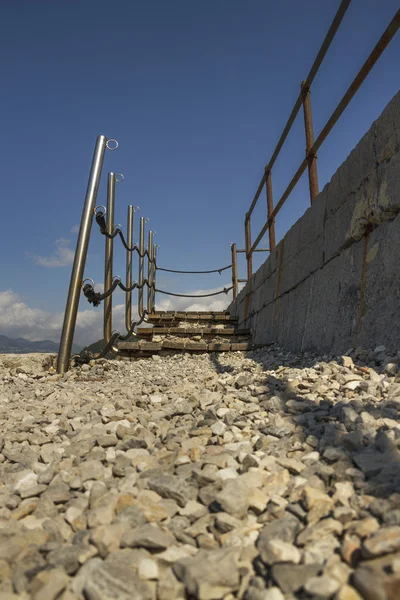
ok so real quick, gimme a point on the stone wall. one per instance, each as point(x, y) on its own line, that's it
point(333, 281)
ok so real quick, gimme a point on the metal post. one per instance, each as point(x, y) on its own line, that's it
point(153, 294)
point(249, 256)
point(129, 241)
point(141, 266)
point(71, 309)
point(311, 156)
point(270, 206)
point(234, 271)
point(149, 270)
point(108, 261)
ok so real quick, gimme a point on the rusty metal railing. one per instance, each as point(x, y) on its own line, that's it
point(109, 230)
point(312, 146)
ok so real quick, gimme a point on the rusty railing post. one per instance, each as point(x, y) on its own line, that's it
point(270, 207)
point(234, 271)
point(249, 255)
point(311, 157)
point(249, 258)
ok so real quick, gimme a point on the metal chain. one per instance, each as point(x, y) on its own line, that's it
point(224, 291)
point(135, 248)
point(132, 327)
point(86, 357)
point(100, 220)
point(195, 272)
point(95, 298)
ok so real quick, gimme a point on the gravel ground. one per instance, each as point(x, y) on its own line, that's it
point(259, 476)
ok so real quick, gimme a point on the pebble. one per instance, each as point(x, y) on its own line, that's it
point(277, 551)
point(322, 587)
point(384, 541)
point(233, 498)
point(148, 569)
point(262, 476)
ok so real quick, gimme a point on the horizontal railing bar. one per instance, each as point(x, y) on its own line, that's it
point(242, 280)
point(387, 36)
point(281, 202)
point(344, 5)
point(310, 78)
point(257, 195)
point(384, 40)
point(257, 250)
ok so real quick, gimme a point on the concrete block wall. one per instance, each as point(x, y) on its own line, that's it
point(333, 281)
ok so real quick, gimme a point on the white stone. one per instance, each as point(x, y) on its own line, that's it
point(352, 385)
point(218, 428)
point(276, 551)
point(228, 473)
point(221, 412)
point(148, 569)
point(154, 399)
point(273, 593)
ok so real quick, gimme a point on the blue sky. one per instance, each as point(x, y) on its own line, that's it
point(197, 94)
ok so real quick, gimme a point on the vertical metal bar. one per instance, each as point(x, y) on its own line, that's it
point(234, 271)
point(141, 266)
point(108, 259)
point(149, 270)
point(153, 295)
point(129, 241)
point(270, 206)
point(249, 256)
point(311, 156)
point(71, 309)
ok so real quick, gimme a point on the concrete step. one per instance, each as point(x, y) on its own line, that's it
point(172, 317)
point(184, 331)
point(144, 346)
point(165, 337)
point(188, 313)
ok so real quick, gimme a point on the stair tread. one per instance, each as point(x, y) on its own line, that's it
point(190, 312)
point(183, 345)
point(226, 338)
point(192, 316)
point(149, 331)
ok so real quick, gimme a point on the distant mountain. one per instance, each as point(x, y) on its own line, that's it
point(23, 346)
point(97, 347)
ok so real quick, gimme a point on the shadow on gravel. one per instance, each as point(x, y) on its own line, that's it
point(219, 367)
point(357, 433)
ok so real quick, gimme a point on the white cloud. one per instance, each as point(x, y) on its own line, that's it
point(63, 256)
point(75, 229)
point(17, 319)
